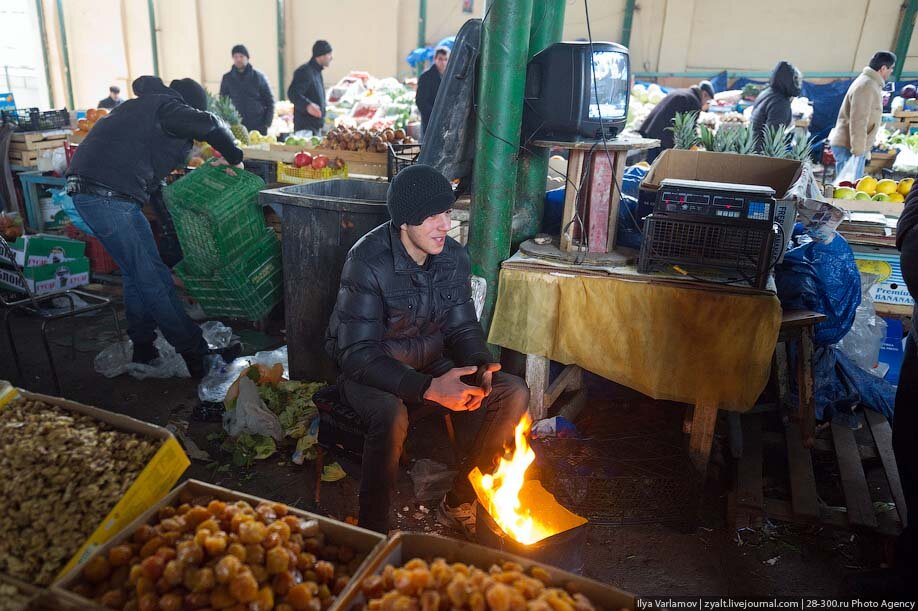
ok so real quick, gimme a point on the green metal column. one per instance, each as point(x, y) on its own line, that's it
point(151, 11)
point(43, 33)
point(66, 53)
point(501, 78)
point(281, 51)
point(904, 38)
point(422, 30)
point(627, 21)
point(533, 169)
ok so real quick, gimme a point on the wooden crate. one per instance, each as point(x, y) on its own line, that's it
point(31, 139)
point(751, 501)
point(24, 158)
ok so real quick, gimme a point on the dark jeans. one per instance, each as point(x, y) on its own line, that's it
point(480, 436)
point(150, 299)
point(905, 432)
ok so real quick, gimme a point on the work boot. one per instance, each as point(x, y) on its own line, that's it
point(144, 354)
point(461, 518)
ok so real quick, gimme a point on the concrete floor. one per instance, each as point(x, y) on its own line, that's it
point(647, 559)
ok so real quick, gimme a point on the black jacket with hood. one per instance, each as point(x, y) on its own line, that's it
point(307, 87)
point(773, 106)
point(397, 325)
point(251, 95)
point(134, 147)
point(907, 243)
point(661, 117)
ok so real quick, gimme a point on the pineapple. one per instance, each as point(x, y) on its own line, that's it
point(744, 143)
point(724, 139)
point(223, 107)
point(707, 137)
point(684, 129)
point(802, 149)
point(774, 142)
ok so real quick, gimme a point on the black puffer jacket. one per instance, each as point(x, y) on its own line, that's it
point(907, 242)
point(396, 324)
point(660, 119)
point(134, 147)
point(773, 106)
point(251, 95)
point(307, 87)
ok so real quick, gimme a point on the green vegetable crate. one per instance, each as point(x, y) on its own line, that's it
point(247, 288)
point(216, 216)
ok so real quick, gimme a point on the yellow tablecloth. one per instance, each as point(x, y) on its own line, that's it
point(671, 342)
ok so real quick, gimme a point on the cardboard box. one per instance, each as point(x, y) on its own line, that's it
point(50, 278)
point(859, 205)
point(153, 482)
point(405, 546)
point(41, 249)
point(884, 262)
point(361, 540)
point(782, 175)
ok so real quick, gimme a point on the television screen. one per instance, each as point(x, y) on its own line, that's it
point(609, 91)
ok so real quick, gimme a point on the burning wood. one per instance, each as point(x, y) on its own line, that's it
point(522, 508)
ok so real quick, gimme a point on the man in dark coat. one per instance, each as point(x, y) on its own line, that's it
point(249, 90)
point(113, 174)
point(696, 98)
point(429, 84)
point(113, 99)
point(773, 106)
point(404, 333)
point(307, 90)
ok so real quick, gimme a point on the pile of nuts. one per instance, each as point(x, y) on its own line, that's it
point(216, 554)
point(62, 473)
point(418, 586)
point(11, 599)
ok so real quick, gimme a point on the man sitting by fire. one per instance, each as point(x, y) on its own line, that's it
point(404, 334)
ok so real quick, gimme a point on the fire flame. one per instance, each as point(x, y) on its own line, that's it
point(500, 491)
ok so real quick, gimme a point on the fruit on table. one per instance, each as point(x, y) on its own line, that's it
point(860, 195)
point(867, 185)
point(880, 197)
point(319, 162)
point(223, 107)
point(441, 585)
point(905, 185)
point(302, 160)
point(897, 197)
point(63, 473)
point(847, 183)
point(886, 186)
point(221, 554)
point(844, 193)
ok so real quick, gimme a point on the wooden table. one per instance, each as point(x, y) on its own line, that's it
point(598, 166)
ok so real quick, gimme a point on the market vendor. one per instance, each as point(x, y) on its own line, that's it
point(307, 90)
point(112, 100)
point(429, 85)
point(658, 123)
point(772, 107)
point(113, 174)
point(403, 333)
point(249, 90)
point(860, 114)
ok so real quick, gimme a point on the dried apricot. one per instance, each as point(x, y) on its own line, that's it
point(243, 587)
point(276, 560)
point(97, 570)
point(120, 555)
point(238, 550)
point(171, 602)
point(215, 544)
point(149, 548)
point(299, 596)
point(254, 554)
point(153, 567)
point(226, 568)
point(283, 582)
point(252, 532)
point(325, 571)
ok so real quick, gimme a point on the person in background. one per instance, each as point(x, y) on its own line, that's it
point(696, 98)
point(429, 84)
point(772, 107)
point(307, 90)
point(113, 174)
point(249, 90)
point(861, 113)
point(112, 100)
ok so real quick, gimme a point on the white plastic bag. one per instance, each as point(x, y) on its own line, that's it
point(848, 171)
point(222, 375)
point(863, 342)
point(250, 414)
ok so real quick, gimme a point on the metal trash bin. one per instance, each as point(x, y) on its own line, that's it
point(321, 221)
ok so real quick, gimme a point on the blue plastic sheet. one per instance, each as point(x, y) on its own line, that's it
point(425, 54)
point(630, 226)
point(63, 200)
point(823, 278)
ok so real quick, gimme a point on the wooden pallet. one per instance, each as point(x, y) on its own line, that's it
point(749, 503)
point(24, 158)
point(30, 139)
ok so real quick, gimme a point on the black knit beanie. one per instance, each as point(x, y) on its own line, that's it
point(417, 192)
point(240, 49)
point(321, 47)
point(191, 91)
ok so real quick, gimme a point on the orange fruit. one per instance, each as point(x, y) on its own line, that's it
point(83, 125)
point(101, 112)
point(92, 114)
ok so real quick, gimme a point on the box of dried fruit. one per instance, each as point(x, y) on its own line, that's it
point(420, 571)
point(207, 546)
point(72, 477)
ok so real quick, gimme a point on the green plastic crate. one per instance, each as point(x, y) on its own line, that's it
point(247, 289)
point(216, 216)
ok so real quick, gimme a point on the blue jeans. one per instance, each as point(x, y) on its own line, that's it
point(842, 155)
point(150, 299)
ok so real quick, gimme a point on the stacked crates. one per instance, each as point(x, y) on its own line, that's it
point(232, 264)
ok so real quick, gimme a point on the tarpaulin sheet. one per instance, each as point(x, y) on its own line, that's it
point(670, 342)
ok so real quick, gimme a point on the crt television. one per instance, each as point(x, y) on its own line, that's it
point(577, 89)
